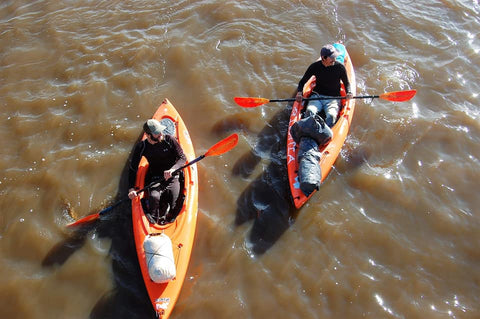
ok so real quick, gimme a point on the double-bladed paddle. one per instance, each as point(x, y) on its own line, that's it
point(219, 148)
point(397, 96)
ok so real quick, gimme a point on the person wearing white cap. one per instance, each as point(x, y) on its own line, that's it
point(164, 155)
point(328, 74)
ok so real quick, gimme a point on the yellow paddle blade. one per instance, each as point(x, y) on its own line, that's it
point(398, 96)
point(223, 146)
point(250, 101)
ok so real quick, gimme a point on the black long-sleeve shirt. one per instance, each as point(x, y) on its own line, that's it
point(328, 78)
point(161, 156)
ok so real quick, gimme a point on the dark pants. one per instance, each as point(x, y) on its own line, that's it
point(162, 200)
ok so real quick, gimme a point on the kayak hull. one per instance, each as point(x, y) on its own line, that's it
point(181, 232)
point(330, 151)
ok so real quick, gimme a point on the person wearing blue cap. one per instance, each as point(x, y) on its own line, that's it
point(164, 155)
point(328, 73)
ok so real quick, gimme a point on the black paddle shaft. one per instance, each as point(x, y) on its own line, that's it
point(328, 98)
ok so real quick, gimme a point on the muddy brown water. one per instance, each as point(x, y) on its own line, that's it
point(392, 233)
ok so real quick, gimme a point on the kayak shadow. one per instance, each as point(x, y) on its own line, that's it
point(129, 297)
point(266, 200)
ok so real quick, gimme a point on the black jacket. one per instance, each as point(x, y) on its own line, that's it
point(161, 156)
point(328, 78)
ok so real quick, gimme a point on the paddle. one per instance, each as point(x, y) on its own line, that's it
point(397, 96)
point(219, 148)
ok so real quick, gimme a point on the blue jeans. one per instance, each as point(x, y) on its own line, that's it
point(329, 106)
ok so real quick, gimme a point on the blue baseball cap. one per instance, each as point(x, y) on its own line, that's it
point(329, 51)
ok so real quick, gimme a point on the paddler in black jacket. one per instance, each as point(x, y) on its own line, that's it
point(164, 155)
point(328, 73)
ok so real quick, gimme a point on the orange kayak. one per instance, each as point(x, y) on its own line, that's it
point(330, 151)
point(182, 231)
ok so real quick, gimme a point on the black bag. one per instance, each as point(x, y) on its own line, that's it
point(313, 127)
point(309, 171)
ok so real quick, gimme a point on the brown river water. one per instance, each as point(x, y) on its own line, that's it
point(392, 233)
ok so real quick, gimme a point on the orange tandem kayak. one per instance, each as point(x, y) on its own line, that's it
point(330, 151)
point(182, 231)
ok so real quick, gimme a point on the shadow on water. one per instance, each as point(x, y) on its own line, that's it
point(128, 298)
point(267, 199)
point(60, 253)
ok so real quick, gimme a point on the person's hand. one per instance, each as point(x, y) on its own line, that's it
point(132, 193)
point(349, 96)
point(168, 174)
point(299, 97)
